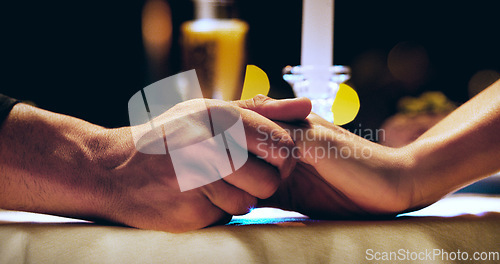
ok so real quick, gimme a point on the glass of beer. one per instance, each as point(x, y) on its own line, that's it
point(214, 45)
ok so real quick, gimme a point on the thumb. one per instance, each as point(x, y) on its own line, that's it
point(282, 110)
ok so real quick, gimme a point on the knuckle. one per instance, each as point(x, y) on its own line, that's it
point(260, 99)
point(254, 102)
point(248, 104)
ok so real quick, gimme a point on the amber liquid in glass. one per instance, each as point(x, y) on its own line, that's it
point(215, 48)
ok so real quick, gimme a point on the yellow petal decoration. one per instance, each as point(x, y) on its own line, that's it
point(346, 105)
point(256, 82)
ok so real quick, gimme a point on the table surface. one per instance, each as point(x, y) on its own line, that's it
point(459, 223)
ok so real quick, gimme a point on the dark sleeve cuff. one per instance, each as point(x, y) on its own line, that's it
point(6, 104)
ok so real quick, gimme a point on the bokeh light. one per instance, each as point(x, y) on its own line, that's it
point(480, 80)
point(408, 62)
point(156, 29)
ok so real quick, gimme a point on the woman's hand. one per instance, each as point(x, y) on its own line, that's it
point(341, 175)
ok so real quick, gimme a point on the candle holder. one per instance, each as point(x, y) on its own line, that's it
point(318, 83)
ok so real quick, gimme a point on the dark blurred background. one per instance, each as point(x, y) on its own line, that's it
point(87, 58)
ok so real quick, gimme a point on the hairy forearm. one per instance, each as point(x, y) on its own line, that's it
point(462, 148)
point(47, 163)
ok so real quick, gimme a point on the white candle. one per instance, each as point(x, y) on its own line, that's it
point(317, 32)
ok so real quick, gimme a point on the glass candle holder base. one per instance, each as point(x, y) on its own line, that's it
point(318, 83)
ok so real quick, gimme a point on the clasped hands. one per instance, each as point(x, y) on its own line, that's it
point(295, 160)
point(281, 171)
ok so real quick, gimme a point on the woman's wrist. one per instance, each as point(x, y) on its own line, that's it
point(427, 174)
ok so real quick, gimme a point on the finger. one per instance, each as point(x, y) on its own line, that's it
point(256, 177)
point(311, 142)
point(223, 220)
point(229, 198)
point(190, 211)
point(269, 141)
point(260, 136)
point(284, 110)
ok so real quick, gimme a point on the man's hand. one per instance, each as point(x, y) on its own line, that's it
point(144, 187)
point(56, 164)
